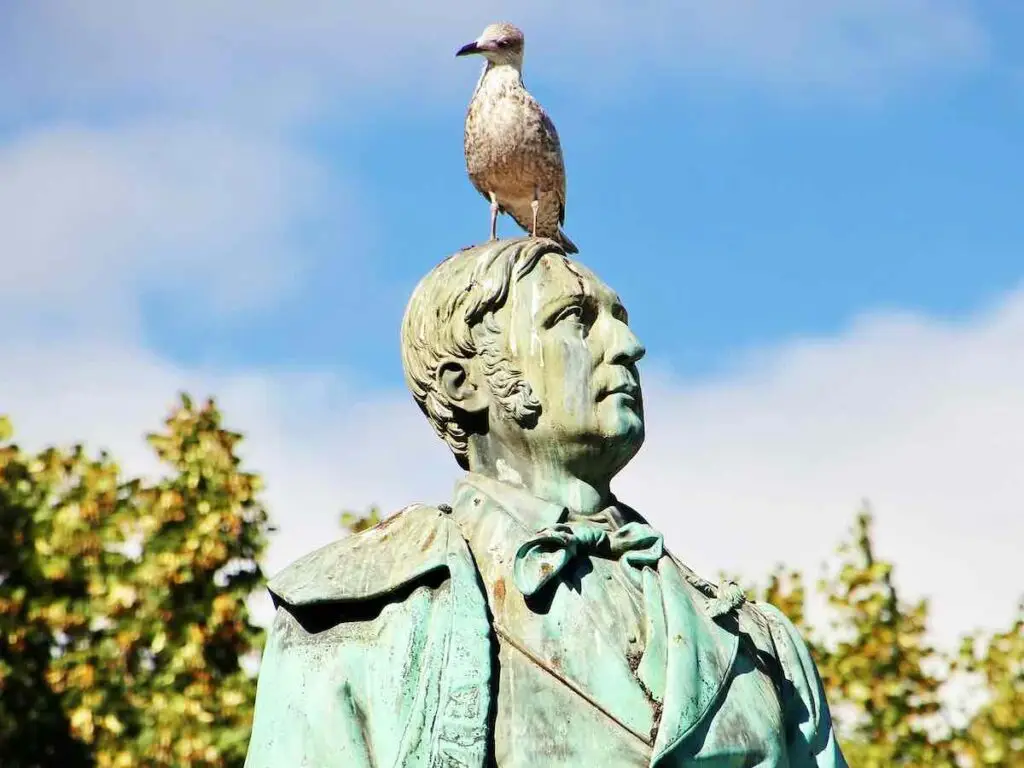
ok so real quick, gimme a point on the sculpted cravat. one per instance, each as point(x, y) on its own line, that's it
point(638, 548)
point(540, 560)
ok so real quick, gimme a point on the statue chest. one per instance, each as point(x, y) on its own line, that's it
point(542, 721)
point(569, 694)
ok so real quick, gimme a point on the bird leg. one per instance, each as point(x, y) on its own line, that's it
point(535, 206)
point(494, 216)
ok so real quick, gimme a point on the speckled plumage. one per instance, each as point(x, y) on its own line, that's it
point(513, 154)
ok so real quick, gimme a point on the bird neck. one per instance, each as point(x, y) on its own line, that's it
point(499, 74)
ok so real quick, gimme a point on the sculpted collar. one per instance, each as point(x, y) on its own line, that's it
point(533, 514)
point(559, 536)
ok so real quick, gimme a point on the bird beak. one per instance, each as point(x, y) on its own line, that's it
point(468, 48)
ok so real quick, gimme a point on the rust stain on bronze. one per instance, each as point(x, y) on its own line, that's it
point(387, 522)
point(658, 708)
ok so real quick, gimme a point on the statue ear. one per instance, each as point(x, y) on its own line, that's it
point(456, 380)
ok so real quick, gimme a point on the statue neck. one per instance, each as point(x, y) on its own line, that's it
point(542, 476)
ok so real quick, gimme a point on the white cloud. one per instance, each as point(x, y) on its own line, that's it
point(91, 218)
point(923, 418)
point(282, 60)
point(764, 464)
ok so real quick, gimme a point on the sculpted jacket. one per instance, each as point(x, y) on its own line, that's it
point(501, 632)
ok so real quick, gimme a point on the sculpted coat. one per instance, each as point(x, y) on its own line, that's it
point(537, 620)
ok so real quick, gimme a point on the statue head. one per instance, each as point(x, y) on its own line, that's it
point(514, 351)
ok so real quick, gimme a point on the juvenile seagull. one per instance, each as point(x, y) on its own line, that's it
point(513, 154)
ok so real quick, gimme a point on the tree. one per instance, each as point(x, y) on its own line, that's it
point(203, 533)
point(59, 516)
point(883, 680)
point(995, 734)
point(354, 522)
point(881, 671)
point(123, 621)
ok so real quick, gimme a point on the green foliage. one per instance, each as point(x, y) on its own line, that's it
point(60, 514)
point(353, 522)
point(995, 735)
point(123, 622)
point(884, 681)
point(881, 666)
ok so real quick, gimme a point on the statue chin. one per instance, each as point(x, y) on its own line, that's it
point(628, 435)
point(610, 453)
point(627, 449)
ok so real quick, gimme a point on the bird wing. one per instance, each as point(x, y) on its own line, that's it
point(556, 144)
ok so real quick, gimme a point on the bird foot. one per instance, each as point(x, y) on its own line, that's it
point(494, 216)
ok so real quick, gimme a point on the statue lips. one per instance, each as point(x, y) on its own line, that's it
point(627, 388)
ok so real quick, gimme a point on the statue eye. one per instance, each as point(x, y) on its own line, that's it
point(573, 312)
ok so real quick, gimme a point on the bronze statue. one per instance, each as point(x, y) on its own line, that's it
point(536, 620)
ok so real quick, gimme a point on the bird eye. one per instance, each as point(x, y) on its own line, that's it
point(503, 42)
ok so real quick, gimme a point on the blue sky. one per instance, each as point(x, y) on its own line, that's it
point(729, 216)
point(810, 207)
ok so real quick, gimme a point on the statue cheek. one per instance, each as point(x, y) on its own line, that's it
point(574, 379)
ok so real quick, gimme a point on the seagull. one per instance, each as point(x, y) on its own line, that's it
point(513, 155)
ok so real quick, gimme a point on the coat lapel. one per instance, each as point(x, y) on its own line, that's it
point(460, 737)
point(700, 656)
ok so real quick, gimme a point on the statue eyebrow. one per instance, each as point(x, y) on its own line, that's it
point(560, 302)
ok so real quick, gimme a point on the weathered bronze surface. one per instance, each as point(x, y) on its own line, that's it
point(537, 620)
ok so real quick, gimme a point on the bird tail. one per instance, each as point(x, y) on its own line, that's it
point(567, 245)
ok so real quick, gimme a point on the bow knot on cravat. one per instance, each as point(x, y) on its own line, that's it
point(540, 560)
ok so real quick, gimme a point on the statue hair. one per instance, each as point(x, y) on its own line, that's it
point(451, 315)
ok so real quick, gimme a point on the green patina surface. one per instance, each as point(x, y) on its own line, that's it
point(537, 620)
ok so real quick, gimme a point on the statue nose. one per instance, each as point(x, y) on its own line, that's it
point(626, 347)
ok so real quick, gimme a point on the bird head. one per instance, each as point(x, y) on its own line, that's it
point(500, 43)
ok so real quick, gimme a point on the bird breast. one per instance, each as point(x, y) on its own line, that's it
point(508, 141)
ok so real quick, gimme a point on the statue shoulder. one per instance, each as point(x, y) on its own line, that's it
point(805, 704)
point(790, 646)
point(413, 544)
